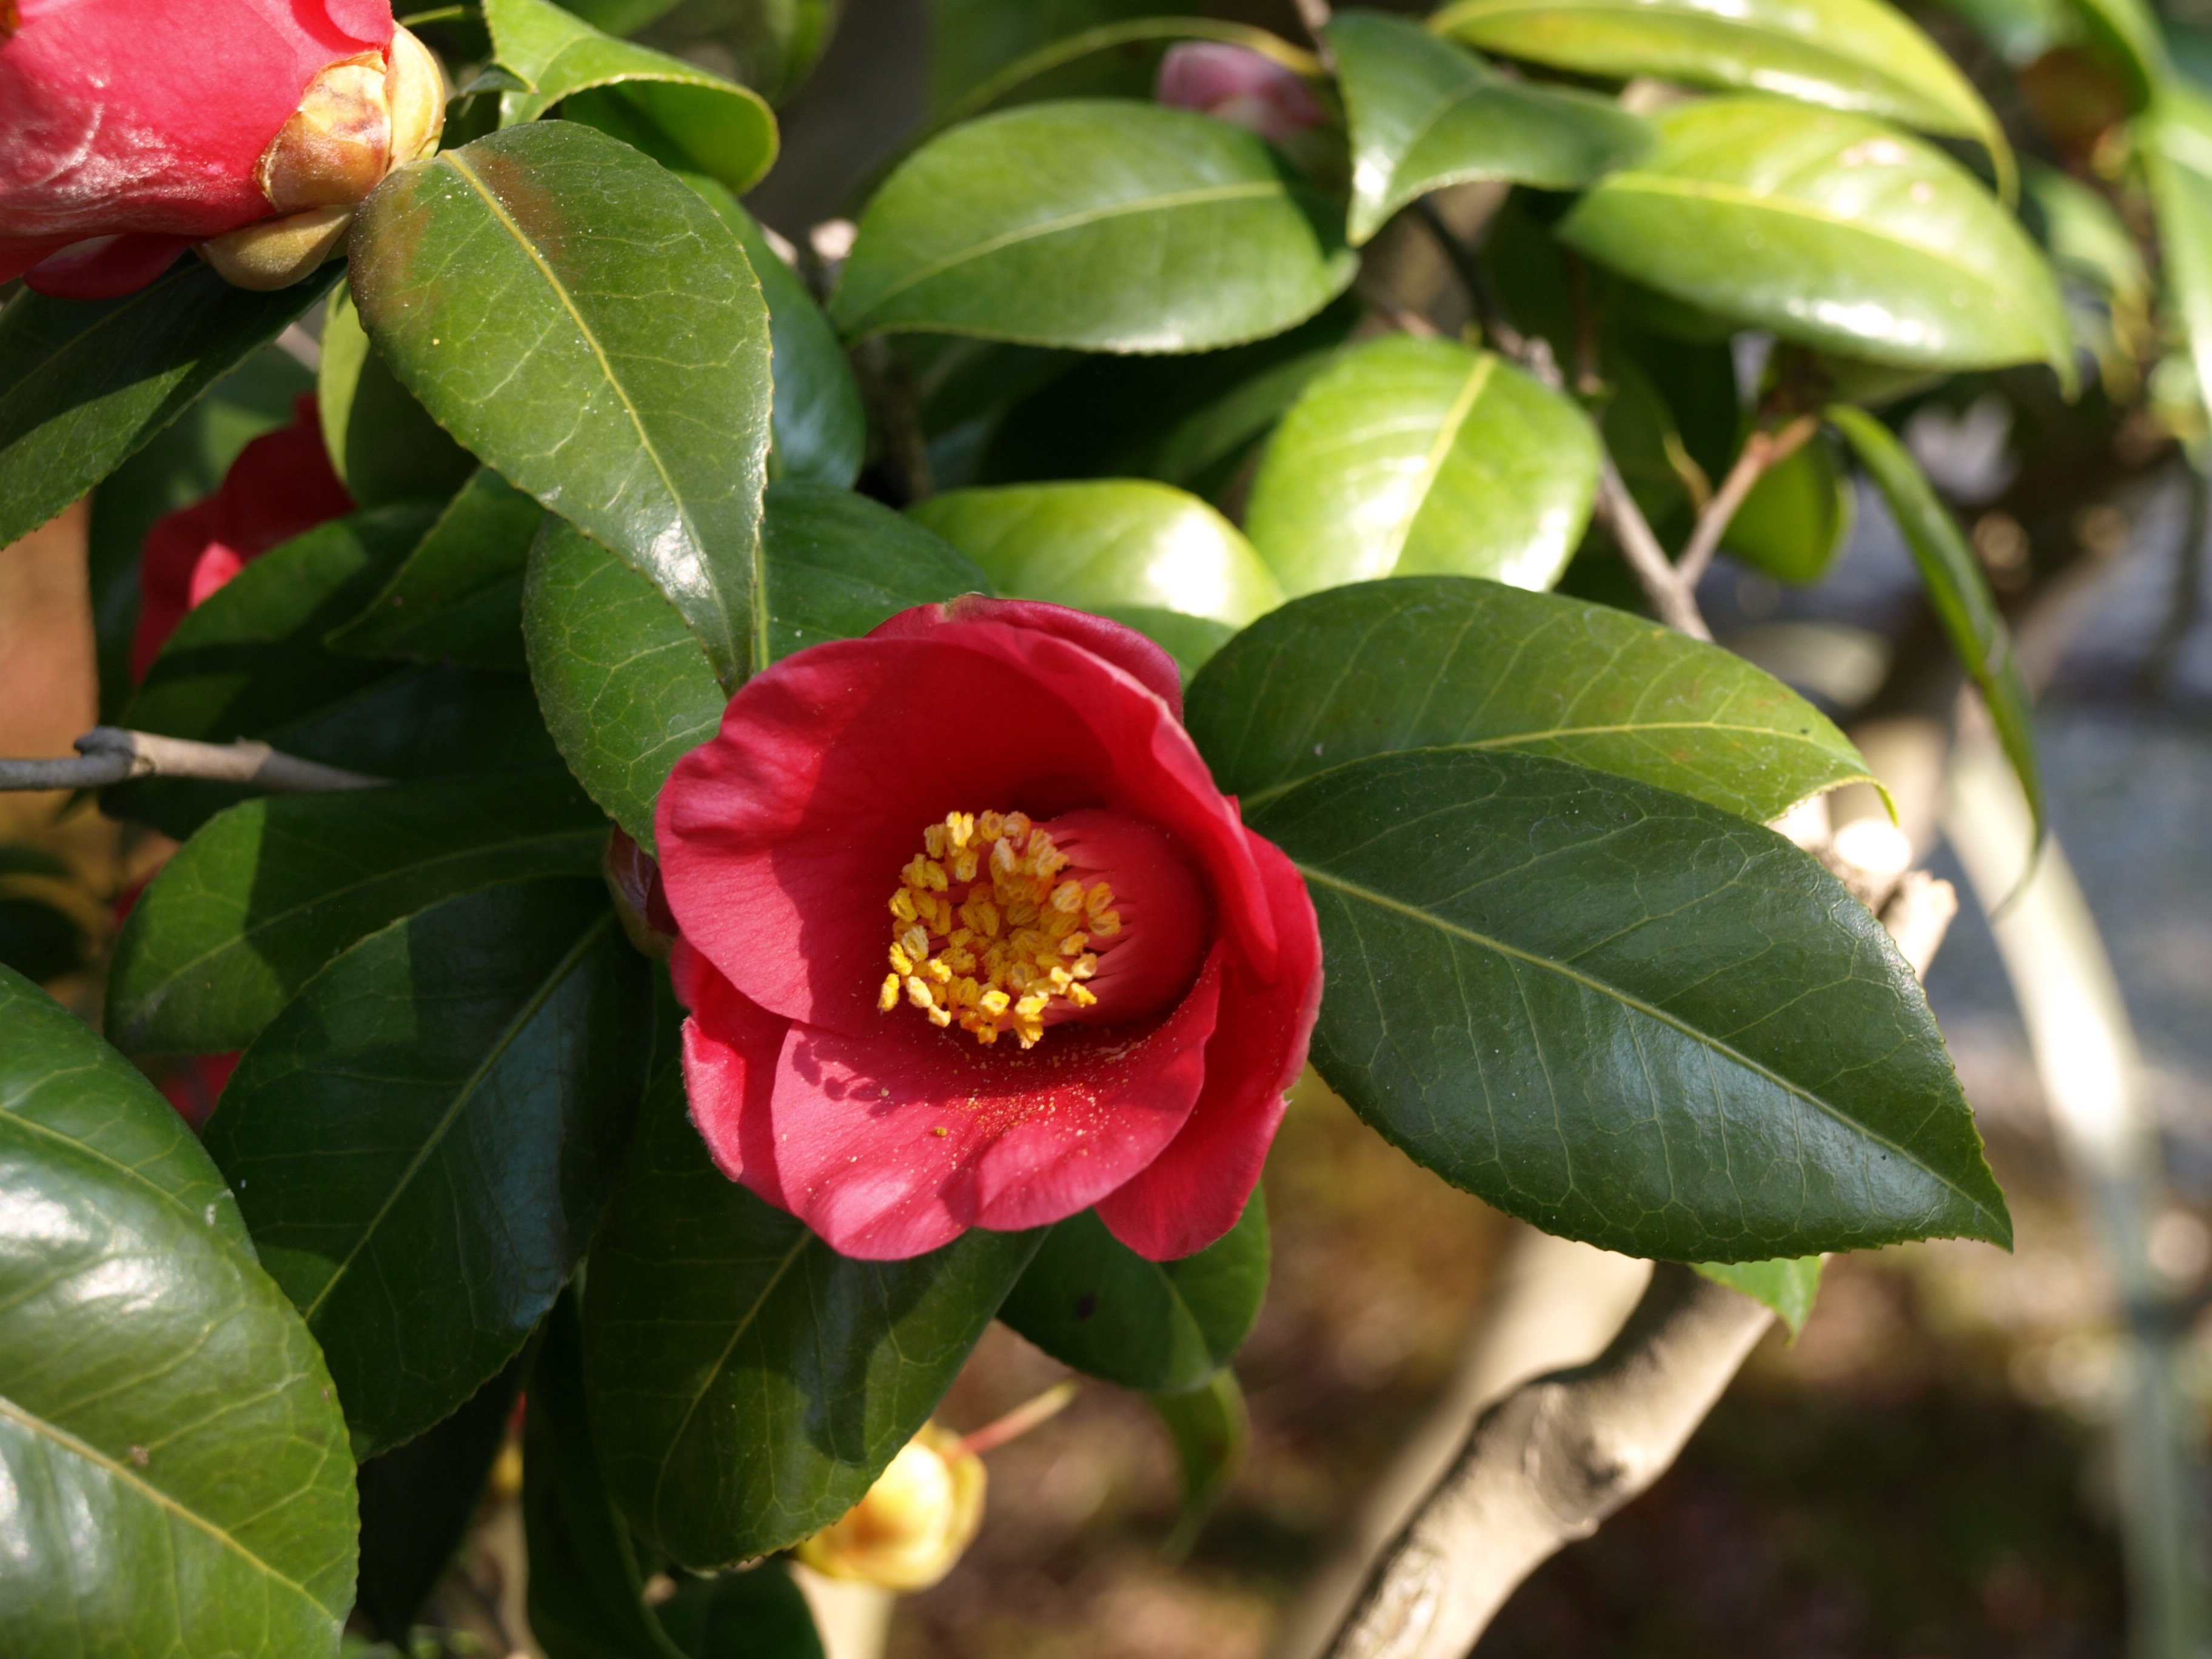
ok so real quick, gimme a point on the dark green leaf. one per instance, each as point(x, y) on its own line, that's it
point(1212, 1430)
point(587, 1593)
point(1443, 662)
point(1104, 225)
point(1425, 115)
point(748, 1383)
point(183, 463)
point(1091, 1302)
point(419, 1500)
point(1788, 1286)
point(421, 1140)
point(458, 597)
point(589, 326)
point(771, 45)
point(176, 1467)
point(724, 129)
point(263, 898)
point(624, 683)
point(1831, 230)
point(1411, 457)
point(978, 39)
point(85, 384)
point(1798, 517)
point(40, 941)
point(1110, 59)
point(1625, 1016)
point(759, 1613)
point(1115, 543)
point(384, 444)
point(1957, 589)
point(821, 428)
point(1846, 54)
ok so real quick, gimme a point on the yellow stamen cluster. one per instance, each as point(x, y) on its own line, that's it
point(986, 932)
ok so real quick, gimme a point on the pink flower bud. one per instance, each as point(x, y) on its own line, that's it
point(1237, 85)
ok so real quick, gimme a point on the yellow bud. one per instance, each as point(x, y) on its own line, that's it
point(915, 1522)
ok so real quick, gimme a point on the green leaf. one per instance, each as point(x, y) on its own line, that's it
point(1957, 589)
point(421, 1140)
point(1788, 1286)
point(256, 902)
point(624, 683)
point(1045, 72)
point(771, 45)
point(725, 129)
point(1831, 230)
point(2178, 160)
point(1425, 115)
point(587, 1593)
point(821, 428)
point(1858, 55)
point(748, 1383)
point(589, 326)
point(251, 653)
point(1115, 544)
point(39, 940)
point(1798, 517)
point(759, 1613)
point(1412, 457)
point(418, 1502)
point(1625, 1016)
point(1444, 663)
point(1091, 1301)
point(179, 466)
point(976, 40)
point(1104, 225)
point(177, 1472)
point(85, 384)
point(383, 444)
point(1212, 1431)
point(459, 596)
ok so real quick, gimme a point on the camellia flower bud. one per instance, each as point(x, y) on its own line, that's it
point(1236, 84)
point(915, 1522)
point(248, 127)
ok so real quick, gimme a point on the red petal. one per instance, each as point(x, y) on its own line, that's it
point(895, 1144)
point(1119, 644)
point(19, 253)
point(1194, 1192)
point(105, 267)
point(730, 1050)
point(782, 839)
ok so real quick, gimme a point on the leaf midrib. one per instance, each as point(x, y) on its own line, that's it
point(1726, 1051)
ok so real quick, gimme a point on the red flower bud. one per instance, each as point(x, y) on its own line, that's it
point(969, 939)
point(282, 485)
point(1237, 85)
point(135, 130)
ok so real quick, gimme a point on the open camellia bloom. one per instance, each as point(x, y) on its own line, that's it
point(971, 938)
point(282, 485)
point(249, 127)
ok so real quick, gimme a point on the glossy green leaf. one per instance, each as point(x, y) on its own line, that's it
point(589, 326)
point(1212, 1431)
point(1623, 1015)
point(586, 1592)
point(1858, 55)
point(421, 1140)
point(623, 684)
point(179, 466)
point(1788, 1286)
point(1046, 72)
point(459, 596)
point(821, 428)
point(1798, 516)
point(1444, 663)
point(1091, 1301)
point(724, 129)
point(1105, 226)
point(418, 1502)
point(1107, 546)
point(748, 1383)
point(759, 1613)
point(269, 891)
point(175, 1465)
point(976, 40)
point(1425, 115)
point(383, 444)
point(1831, 230)
point(1958, 591)
point(85, 384)
point(1415, 456)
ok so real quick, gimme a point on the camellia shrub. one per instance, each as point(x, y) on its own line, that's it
point(804, 795)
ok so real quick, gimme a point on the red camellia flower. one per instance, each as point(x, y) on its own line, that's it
point(282, 485)
point(971, 938)
point(133, 131)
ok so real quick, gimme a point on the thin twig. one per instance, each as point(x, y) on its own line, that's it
point(1761, 451)
point(107, 754)
point(1313, 14)
point(895, 410)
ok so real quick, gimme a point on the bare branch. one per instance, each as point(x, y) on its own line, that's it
point(1763, 450)
point(107, 754)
